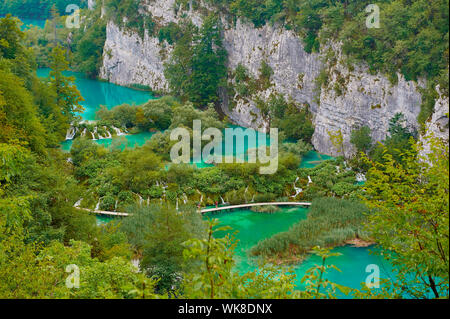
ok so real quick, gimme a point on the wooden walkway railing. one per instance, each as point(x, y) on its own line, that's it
point(215, 209)
point(208, 210)
point(103, 212)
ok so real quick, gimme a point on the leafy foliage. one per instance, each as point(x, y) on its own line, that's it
point(410, 219)
point(197, 68)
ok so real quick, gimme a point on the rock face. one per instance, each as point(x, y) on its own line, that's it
point(128, 59)
point(350, 99)
point(438, 125)
point(283, 51)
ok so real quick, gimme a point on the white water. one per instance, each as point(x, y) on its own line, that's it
point(71, 133)
point(118, 131)
point(140, 199)
point(108, 133)
point(78, 203)
point(298, 190)
point(360, 177)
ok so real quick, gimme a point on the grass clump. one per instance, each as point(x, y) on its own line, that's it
point(330, 222)
point(269, 209)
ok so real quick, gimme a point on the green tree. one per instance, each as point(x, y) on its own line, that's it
point(361, 139)
point(197, 68)
point(411, 217)
point(10, 37)
point(68, 97)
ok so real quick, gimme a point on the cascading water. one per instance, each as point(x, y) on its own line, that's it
point(71, 133)
point(118, 131)
point(78, 203)
point(108, 133)
point(298, 190)
point(360, 177)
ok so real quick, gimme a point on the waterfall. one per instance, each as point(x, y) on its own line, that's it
point(309, 180)
point(71, 133)
point(148, 201)
point(84, 132)
point(185, 199)
point(107, 132)
point(360, 177)
point(98, 205)
point(93, 133)
point(221, 198)
point(140, 199)
point(176, 207)
point(118, 131)
point(298, 190)
point(201, 197)
point(338, 169)
point(78, 203)
point(245, 192)
point(115, 205)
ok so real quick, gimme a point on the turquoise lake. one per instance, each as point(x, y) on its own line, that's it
point(97, 93)
point(251, 226)
point(27, 23)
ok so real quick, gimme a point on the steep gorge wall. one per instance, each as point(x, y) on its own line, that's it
point(349, 99)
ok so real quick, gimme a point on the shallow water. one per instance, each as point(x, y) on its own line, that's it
point(312, 158)
point(96, 93)
point(253, 227)
point(27, 23)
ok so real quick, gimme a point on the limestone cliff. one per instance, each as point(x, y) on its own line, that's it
point(349, 99)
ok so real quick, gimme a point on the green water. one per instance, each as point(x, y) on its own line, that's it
point(253, 227)
point(27, 23)
point(96, 93)
point(312, 158)
point(103, 219)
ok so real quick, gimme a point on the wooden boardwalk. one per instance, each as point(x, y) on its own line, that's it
point(208, 210)
point(103, 212)
point(215, 209)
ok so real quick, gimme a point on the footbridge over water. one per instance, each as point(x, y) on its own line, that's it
point(215, 209)
point(208, 210)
